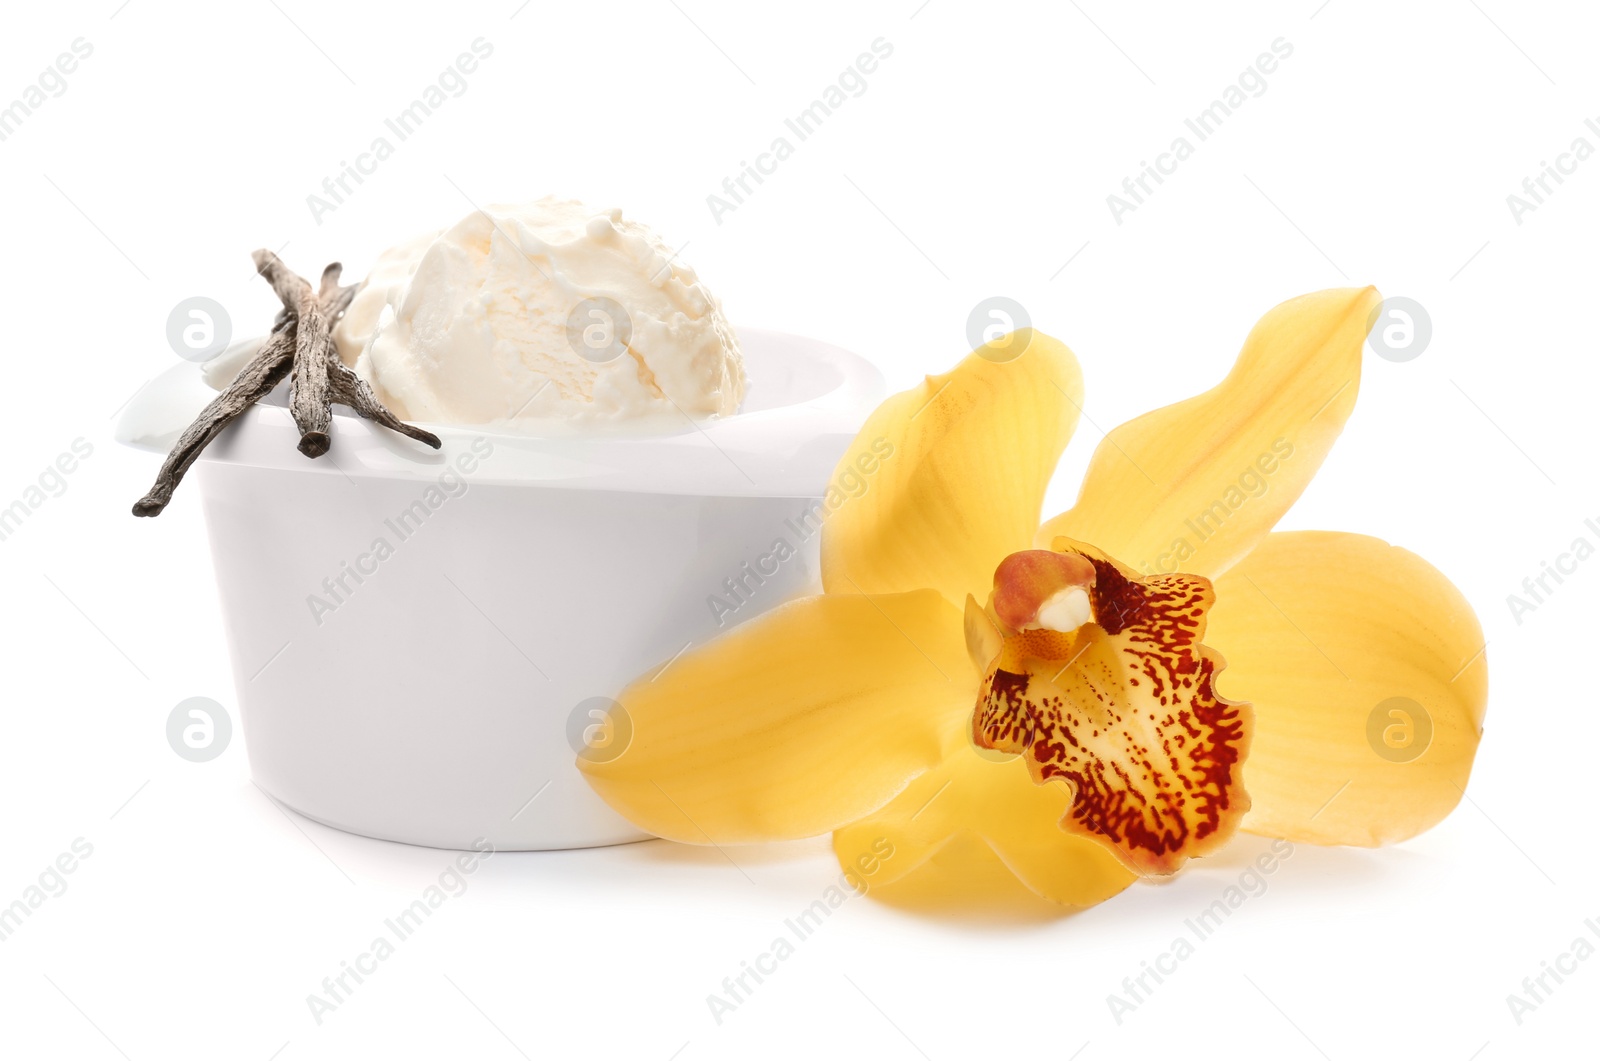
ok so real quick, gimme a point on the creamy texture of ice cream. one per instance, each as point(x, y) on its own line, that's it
point(546, 310)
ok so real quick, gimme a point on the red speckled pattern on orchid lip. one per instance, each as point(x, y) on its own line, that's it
point(1122, 707)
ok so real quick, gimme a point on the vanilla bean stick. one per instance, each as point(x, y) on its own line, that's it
point(256, 380)
point(309, 396)
point(310, 402)
point(350, 389)
point(333, 298)
point(301, 347)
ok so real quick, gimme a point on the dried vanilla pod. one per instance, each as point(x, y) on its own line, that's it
point(301, 347)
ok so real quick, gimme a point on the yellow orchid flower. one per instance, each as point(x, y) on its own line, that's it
point(1073, 727)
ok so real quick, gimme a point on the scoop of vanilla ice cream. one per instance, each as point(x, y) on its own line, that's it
point(512, 314)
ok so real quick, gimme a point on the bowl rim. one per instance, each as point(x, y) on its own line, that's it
point(783, 448)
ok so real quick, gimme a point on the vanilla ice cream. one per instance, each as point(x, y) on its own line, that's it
point(548, 310)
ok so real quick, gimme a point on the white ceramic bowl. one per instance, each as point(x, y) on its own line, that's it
point(420, 640)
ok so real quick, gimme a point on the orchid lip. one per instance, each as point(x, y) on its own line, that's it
point(1108, 687)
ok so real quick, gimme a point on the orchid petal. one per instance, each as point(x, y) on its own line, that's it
point(1194, 486)
point(790, 725)
point(1368, 674)
point(970, 805)
point(951, 474)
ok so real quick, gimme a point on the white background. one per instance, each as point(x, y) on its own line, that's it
point(977, 163)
